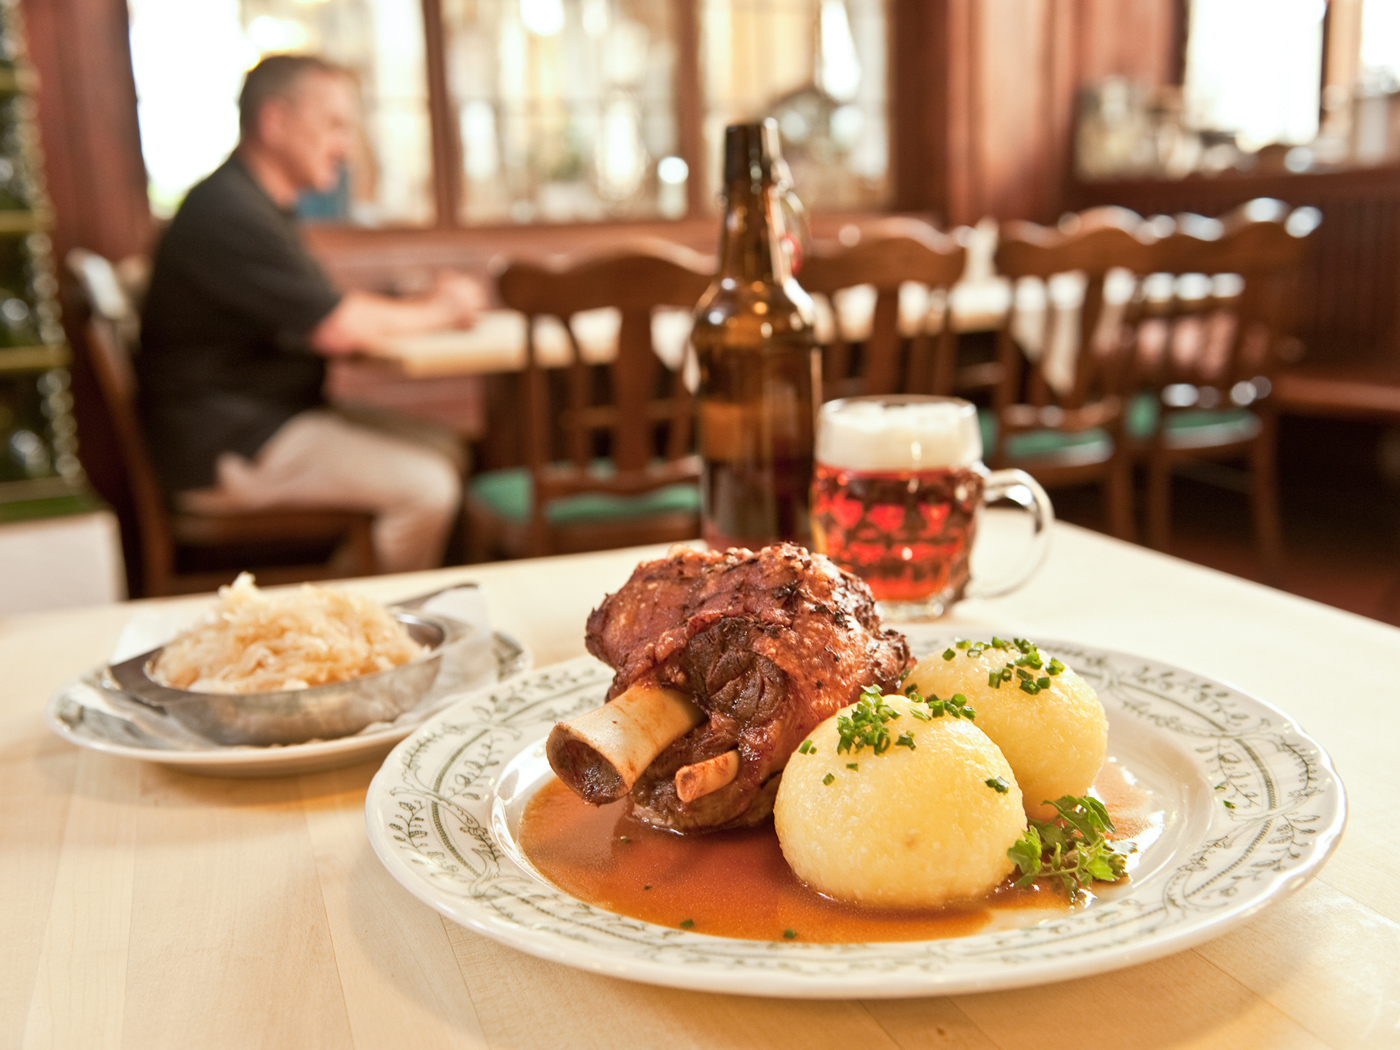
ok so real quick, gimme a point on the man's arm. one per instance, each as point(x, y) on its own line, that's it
point(362, 318)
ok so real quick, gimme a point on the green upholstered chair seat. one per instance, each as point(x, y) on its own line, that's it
point(1047, 445)
point(1190, 428)
point(510, 494)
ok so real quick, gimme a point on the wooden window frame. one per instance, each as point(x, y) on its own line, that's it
point(941, 71)
point(446, 145)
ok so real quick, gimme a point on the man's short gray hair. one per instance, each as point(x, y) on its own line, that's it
point(276, 76)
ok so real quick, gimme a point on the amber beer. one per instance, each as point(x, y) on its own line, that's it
point(908, 534)
point(759, 365)
point(897, 495)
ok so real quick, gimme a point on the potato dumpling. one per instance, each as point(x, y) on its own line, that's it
point(910, 828)
point(1054, 738)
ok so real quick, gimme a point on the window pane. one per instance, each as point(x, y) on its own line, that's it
point(566, 109)
point(189, 57)
point(1380, 45)
point(819, 67)
point(1254, 67)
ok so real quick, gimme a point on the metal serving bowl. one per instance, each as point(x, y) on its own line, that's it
point(293, 716)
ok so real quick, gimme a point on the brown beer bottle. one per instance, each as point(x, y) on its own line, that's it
point(760, 370)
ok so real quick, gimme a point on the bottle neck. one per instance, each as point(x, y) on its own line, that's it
point(751, 239)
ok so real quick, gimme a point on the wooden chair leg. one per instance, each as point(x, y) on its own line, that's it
point(1268, 528)
point(481, 537)
point(361, 542)
point(1159, 500)
point(1118, 492)
point(158, 567)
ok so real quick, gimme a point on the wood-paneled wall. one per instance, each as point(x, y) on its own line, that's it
point(88, 126)
point(992, 115)
point(1349, 304)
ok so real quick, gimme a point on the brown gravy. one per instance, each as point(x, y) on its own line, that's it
point(727, 884)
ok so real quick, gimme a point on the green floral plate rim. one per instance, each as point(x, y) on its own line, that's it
point(1251, 809)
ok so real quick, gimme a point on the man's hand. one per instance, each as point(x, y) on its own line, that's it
point(363, 318)
point(461, 296)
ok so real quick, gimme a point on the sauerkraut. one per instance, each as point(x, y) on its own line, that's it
point(255, 642)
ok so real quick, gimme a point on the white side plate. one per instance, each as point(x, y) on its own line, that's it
point(83, 712)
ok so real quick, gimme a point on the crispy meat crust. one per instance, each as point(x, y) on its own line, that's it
point(769, 644)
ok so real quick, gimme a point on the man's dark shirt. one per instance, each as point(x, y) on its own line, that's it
point(224, 361)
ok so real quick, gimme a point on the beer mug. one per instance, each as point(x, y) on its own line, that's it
point(898, 490)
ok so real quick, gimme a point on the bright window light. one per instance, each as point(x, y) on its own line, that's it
point(1254, 67)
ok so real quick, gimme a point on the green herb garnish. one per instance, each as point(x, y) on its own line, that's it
point(1015, 669)
point(1073, 848)
point(790, 935)
point(998, 784)
point(905, 740)
point(865, 725)
point(852, 765)
point(828, 779)
point(955, 705)
point(807, 748)
point(687, 924)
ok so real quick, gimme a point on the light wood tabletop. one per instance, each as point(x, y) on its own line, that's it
point(147, 908)
point(496, 343)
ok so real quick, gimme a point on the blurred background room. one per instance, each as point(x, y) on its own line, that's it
point(490, 134)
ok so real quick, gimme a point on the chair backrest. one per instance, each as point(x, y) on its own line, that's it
point(1075, 291)
point(910, 266)
point(1219, 307)
point(634, 411)
point(110, 338)
point(112, 290)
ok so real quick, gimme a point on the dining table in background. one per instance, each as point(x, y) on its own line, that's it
point(469, 379)
point(148, 908)
point(495, 344)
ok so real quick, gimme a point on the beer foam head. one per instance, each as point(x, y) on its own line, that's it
point(899, 434)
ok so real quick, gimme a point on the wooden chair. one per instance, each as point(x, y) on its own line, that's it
point(110, 335)
point(609, 446)
point(1059, 415)
point(1216, 320)
point(899, 354)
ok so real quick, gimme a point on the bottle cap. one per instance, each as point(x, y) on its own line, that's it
point(750, 151)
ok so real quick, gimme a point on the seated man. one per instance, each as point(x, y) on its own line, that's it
point(239, 319)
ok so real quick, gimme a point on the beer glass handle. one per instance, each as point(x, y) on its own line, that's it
point(1022, 489)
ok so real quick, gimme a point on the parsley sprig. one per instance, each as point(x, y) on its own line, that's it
point(1072, 848)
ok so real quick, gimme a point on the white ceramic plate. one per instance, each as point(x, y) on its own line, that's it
point(85, 713)
point(444, 811)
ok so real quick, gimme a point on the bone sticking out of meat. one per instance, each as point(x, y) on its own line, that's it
point(766, 644)
point(606, 749)
point(701, 778)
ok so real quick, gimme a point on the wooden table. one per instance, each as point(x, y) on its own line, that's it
point(146, 908)
point(496, 343)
